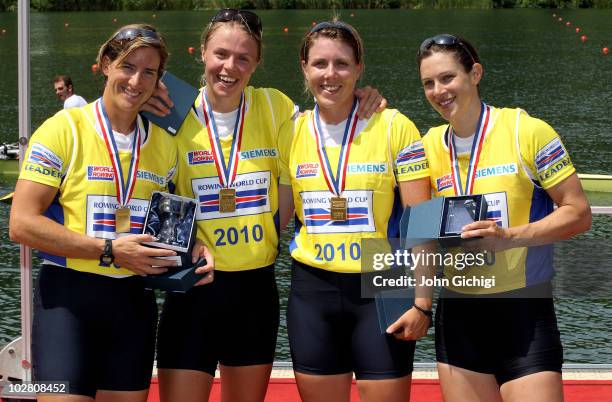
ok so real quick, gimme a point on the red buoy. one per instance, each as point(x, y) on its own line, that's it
point(605, 50)
point(567, 24)
point(190, 49)
point(285, 29)
point(583, 38)
point(94, 68)
point(560, 19)
point(577, 30)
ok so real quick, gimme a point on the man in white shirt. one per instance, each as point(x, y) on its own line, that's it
point(64, 91)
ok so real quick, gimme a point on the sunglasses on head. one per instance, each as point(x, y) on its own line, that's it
point(248, 18)
point(130, 34)
point(446, 40)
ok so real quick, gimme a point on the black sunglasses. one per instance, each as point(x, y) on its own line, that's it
point(248, 18)
point(446, 40)
point(130, 34)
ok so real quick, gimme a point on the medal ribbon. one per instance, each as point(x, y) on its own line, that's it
point(336, 184)
point(481, 132)
point(124, 188)
point(227, 175)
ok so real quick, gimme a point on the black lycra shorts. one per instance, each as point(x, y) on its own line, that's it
point(233, 321)
point(508, 337)
point(93, 331)
point(332, 330)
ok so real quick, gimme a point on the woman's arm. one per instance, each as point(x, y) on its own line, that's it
point(573, 216)
point(285, 205)
point(29, 226)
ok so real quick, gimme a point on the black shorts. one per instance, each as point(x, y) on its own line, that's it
point(93, 331)
point(508, 337)
point(333, 330)
point(233, 321)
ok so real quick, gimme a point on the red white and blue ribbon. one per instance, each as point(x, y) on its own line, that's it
point(227, 174)
point(479, 137)
point(336, 183)
point(124, 188)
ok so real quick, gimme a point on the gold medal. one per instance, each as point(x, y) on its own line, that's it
point(227, 200)
point(122, 220)
point(338, 208)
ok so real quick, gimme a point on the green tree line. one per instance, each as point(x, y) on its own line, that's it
point(111, 5)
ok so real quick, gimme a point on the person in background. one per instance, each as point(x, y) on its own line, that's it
point(500, 341)
point(81, 200)
point(349, 180)
point(228, 160)
point(64, 89)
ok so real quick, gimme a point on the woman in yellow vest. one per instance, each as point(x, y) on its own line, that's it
point(350, 179)
point(81, 200)
point(504, 341)
point(228, 160)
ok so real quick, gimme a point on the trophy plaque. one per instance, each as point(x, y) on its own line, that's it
point(460, 211)
point(441, 218)
point(171, 219)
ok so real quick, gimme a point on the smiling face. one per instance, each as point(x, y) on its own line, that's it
point(230, 57)
point(132, 80)
point(450, 90)
point(331, 73)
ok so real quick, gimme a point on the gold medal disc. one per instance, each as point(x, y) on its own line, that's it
point(338, 208)
point(122, 220)
point(227, 200)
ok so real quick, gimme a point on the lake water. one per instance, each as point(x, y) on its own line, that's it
point(530, 60)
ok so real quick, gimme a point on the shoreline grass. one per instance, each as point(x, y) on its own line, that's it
point(125, 5)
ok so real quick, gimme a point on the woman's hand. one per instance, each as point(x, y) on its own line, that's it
point(131, 254)
point(201, 251)
point(370, 102)
point(487, 235)
point(411, 326)
point(484, 229)
point(159, 103)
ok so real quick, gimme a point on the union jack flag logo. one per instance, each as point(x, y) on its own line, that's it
point(549, 155)
point(412, 153)
point(40, 155)
point(104, 222)
point(244, 199)
point(322, 217)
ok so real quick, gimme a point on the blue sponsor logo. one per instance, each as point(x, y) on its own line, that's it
point(200, 157)
point(310, 169)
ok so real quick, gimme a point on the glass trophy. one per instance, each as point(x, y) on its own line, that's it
point(171, 219)
point(460, 211)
